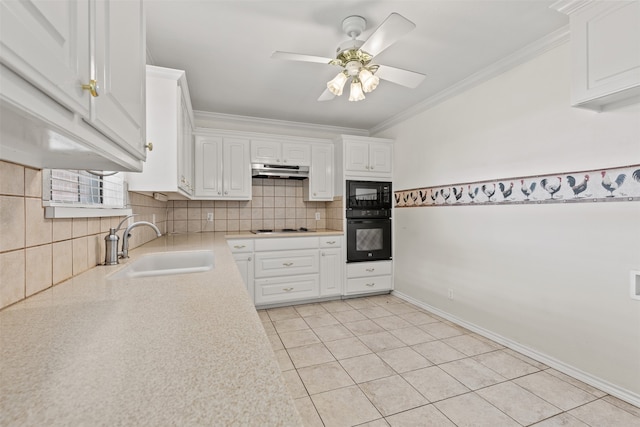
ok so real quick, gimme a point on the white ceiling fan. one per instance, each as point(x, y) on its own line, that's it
point(356, 58)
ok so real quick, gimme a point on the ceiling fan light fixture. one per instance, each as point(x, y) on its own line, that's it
point(356, 93)
point(336, 85)
point(368, 79)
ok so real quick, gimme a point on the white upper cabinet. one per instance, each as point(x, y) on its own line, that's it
point(319, 186)
point(367, 156)
point(169, 166)
point(48, 44)
point(296, 154)
point(208, 166)
point(119, 110)
point(236, 169)
point(222, 168)
point(605, 48)
point(69, 68)
point(280, 153)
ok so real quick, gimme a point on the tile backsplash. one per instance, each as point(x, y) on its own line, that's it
point(37, 253)
point(275, 204)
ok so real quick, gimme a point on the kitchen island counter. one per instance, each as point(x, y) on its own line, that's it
point(183, 349)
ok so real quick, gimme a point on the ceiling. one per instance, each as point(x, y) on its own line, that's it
point(225, 49)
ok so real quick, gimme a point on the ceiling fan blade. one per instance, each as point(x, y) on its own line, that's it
point(326, 96)
point(389, 32)
point(300, 57)
point(402, 77)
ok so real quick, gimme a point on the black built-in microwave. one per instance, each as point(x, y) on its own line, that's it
point(368, 220)
point(368, 199)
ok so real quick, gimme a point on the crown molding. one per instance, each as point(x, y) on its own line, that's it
point(569, 6)
point(150, 59)
point(204, 117)
point(523, 55)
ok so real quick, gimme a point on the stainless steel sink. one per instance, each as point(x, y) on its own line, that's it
point(166, 263)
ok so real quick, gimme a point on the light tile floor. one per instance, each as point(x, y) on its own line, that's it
point(380, 361)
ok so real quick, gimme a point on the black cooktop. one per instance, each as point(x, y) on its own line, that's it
point(284, 230)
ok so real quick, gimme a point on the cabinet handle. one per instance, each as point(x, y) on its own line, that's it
point(370, 270)
point(226, 192)
point(238, 246)
point(92, 87)
point(371, 168)
point(149, 146)
point(287, 264)
point(366, 167)
point(249, 259)
point(331, 242)
point(287, 289)
point(315, 194)
point(219, 193)
point(322, 253)
point(371, 285)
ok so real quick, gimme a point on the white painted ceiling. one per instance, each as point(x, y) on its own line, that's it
point(225, 48)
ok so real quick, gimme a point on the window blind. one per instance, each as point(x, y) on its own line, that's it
point(79, 188)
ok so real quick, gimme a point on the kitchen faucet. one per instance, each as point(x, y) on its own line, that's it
point(112, 255)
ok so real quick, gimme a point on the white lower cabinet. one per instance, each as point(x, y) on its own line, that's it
point(331, 263)
point(367, 277)
point(245, 265)
point(282, 289)
point(242, 250)
point(278, 270)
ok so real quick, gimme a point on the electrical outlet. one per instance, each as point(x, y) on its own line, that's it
point(317, 216)
point(209, 216)
point(450, 295)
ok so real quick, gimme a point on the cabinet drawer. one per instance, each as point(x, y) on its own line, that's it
point(365, 269)
point(281, 289)
point(286, 243)
point(240, 245)
point(286, 263)
point(368, 284)
point(330, 241)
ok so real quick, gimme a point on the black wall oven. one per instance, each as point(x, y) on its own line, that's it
point(368, 213)
point(368, 239)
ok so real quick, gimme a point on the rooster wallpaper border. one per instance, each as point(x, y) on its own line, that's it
point(597, 185)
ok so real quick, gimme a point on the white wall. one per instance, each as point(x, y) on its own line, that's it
point(553, 278)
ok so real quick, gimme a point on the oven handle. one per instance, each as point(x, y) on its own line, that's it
point(367, 221)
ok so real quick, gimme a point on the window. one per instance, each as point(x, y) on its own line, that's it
point(78, 193)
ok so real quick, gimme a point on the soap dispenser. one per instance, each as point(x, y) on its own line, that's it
point(111, 244)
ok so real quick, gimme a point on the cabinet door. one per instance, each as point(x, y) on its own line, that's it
point(605, 39)
point(380, 158)
point(185, 149)
point(320, 180)
point(296, 154)
point(245, 266)
point(269, 152)
point(47, 43)
point(331, 272)
point(357, 157)
point(236, 168)
point(120, 55)
point(208, 166)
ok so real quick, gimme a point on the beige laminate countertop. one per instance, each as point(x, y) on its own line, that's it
point(174, 350)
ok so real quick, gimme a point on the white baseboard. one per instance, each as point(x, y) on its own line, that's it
point(599, 383)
